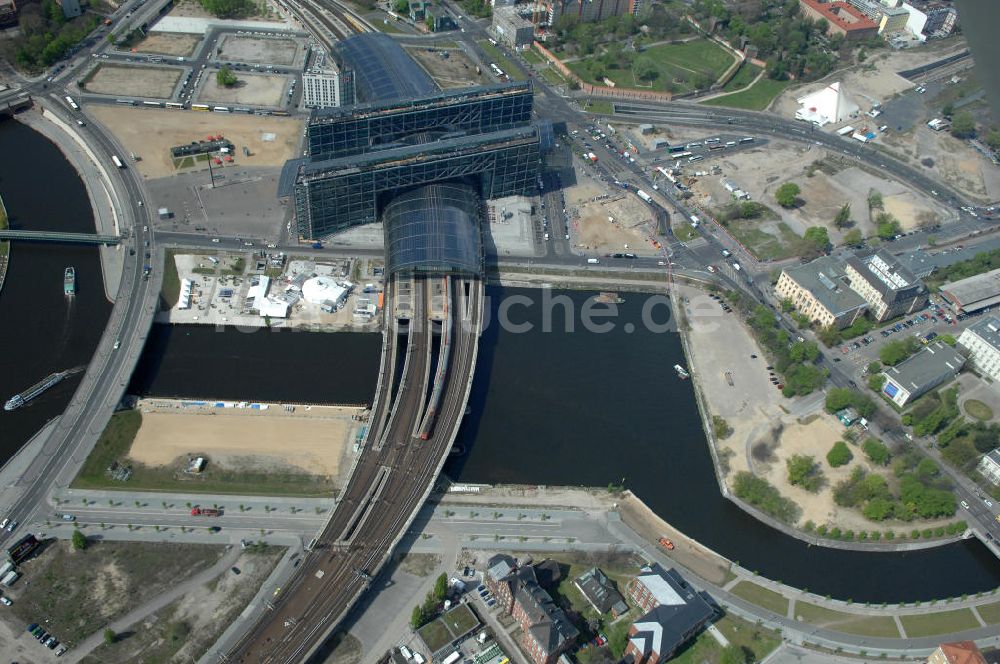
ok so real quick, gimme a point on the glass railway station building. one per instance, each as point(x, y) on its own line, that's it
point(419, 159)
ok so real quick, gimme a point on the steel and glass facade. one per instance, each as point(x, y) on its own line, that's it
point(362, 128)
point(333, 195)
point(420, 159)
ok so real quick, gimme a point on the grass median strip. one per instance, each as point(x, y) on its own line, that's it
point(990, 613)
point(849, 623)
point(768, 599)
point(942, 622)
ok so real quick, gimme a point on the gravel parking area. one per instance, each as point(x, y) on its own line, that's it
point(261, 50)
point(134, 81)
point(250, 89)
point(168, 43)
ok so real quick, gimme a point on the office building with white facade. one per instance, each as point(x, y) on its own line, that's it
point(982, 341)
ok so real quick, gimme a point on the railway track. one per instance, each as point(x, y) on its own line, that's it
point(329, 21)
point(387, 486)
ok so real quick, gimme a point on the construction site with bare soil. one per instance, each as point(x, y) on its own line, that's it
point(608, 220)
point(150, 134)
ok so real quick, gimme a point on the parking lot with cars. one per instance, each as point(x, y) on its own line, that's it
point(925, 326)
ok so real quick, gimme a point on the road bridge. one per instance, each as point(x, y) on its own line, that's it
point(430, 343)
point(54, 236)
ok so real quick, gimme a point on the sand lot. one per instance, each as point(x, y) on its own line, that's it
point(168, 43)
point(151, 134)
point(254, 50)
point(953, 160)
point(455, 71)
point(630, 231)
point(313, 441)
point(134, 81)
point(827, 181)
point(251, 89)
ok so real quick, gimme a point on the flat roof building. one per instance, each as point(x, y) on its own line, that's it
point(982, 341)
point(321, 84)
point(921, 373)
point(973, 293)
point(675, 612)
point(821, 291)
point(886, 284)
point(511, 28)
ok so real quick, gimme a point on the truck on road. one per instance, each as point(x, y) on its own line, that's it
point(205, 511)
point(644, 196)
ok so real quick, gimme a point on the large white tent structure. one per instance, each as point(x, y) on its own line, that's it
point(323, 290)
point(829, 105)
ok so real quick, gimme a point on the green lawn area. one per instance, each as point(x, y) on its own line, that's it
point(501, 61)
point(602, 107)
point(848, 623)
point(761, 596)
point(978, 410)
point(944, 622)
point(706, 650)
point(684, 232)
point(990, 613)
point(533, 57)
point(552, 76)
point(184, 162)
point(746, 74)
point(765, 246)
point(755, 99)
point(679, 67)
point(114, 445)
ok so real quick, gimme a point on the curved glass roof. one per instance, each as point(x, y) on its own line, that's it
point(383, 71)
point(434, 228)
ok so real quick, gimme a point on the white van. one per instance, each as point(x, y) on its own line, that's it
point(418, 658)
point(406, 652)
point(736, 266)
point(593, 261)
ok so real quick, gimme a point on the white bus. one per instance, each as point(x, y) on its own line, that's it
point(117, 161)
point(220, 109)
point(69, 100)
point(174, 104)
point(152, 103)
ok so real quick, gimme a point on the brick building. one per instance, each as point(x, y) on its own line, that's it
point(673, 613)
point(546, 631)
point(841, 18)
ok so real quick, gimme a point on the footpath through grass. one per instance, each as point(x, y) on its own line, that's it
point(79, 592)
point(116, 441)
point(990, 613)
point(849, 623)
point(749, 637)
point(755, 98)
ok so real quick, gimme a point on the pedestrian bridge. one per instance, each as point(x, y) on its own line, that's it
point(53, 236)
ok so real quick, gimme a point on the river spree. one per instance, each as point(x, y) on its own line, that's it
point(576, 408)
point(43, 331)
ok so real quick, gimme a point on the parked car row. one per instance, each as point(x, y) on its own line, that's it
point(725, 305)
point(485, 594)
point(46, 639)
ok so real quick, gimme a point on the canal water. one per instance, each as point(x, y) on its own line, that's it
point(41, 330)
point(574, 408)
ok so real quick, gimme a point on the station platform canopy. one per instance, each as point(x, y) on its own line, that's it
point(383, 71)
point(434, 228)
